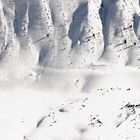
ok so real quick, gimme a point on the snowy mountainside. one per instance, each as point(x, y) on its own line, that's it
point(69, 69)
point(69, 34)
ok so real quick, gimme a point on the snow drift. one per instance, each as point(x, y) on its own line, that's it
point(81, 60)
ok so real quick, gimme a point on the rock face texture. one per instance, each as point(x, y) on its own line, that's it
point(69, 34)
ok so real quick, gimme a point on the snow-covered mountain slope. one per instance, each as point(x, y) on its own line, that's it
point(69, 34)
point(106, 114)
point(75, 69)
point(40, 37)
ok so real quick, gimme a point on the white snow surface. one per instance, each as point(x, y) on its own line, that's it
point(69, 69)
point(69, 34)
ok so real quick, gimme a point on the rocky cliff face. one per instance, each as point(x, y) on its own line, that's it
point(69, 34)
